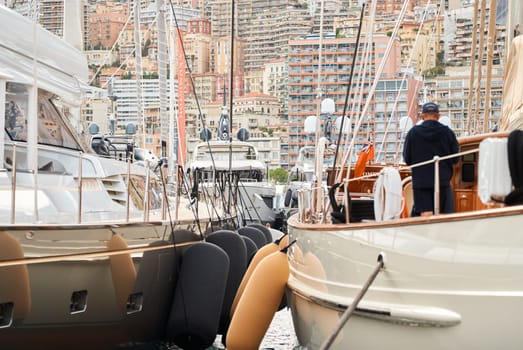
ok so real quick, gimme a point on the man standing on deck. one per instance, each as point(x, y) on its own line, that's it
point(422, 143)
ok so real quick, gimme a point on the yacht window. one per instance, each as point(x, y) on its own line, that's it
point(51, 127)
point(16, 102)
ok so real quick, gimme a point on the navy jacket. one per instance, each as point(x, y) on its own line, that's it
point(422, 143)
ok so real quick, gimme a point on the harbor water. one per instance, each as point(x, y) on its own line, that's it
point(279, 336)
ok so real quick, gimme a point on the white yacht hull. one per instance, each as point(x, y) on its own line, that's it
point(449, 282)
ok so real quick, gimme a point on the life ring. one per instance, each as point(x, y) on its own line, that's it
point(195, 312)
point(259, 302)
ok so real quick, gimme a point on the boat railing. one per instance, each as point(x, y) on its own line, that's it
point(13, 185)
point(436, 160)
point(313, 203)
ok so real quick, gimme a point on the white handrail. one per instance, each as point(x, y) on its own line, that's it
point(306, 214)
point(13, 186)
point(80, 187)
point(407, 167)
point(436, 185)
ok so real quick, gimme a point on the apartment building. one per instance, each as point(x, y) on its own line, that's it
point(459, 27)
point(452, 92)
point(257, 112)
point(275, 82)
point(266, 27)
point(106, 22)
point(221, 55)
point(96, 108)
point(337, 61)
point(396, 108)
point(126, 104)
point(421, 45)
point(197, 44)
point(254, 80)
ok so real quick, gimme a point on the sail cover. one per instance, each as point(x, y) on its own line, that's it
point(512, 111)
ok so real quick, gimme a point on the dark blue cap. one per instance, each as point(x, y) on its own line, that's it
point(430, 107)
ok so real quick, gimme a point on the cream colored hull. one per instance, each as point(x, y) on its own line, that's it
point(449, 282)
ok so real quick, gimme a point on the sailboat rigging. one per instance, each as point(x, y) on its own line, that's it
point(421, 298)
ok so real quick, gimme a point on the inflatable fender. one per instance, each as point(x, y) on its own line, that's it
point(328, 319)
point(123, 271)
point(195, 312)
point(183, 236)
point(288, 197)
point(283, 241)
point(233, 244)
point(515, 157)
point(18, 288)
point(493, 169)
point(257, 236)
point(251, 248)
point(294, 199)
point(264, 230)
point(260, 255)
point(156, 280)
point(259, 302)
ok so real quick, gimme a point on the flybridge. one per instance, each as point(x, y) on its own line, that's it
point(30, 55)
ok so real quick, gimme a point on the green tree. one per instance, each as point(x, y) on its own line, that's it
point(279, 175)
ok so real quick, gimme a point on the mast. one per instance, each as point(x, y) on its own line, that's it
point(349, 85)
point(231, 107)
point(472, 89)
point(181, 100)
point(318, 87)
point(480, 63)
point(162, 73)
point(171, 144)
point(491, 39)
point(138, 56)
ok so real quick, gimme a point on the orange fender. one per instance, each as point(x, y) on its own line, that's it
point(258, 257)
point(258, 303)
